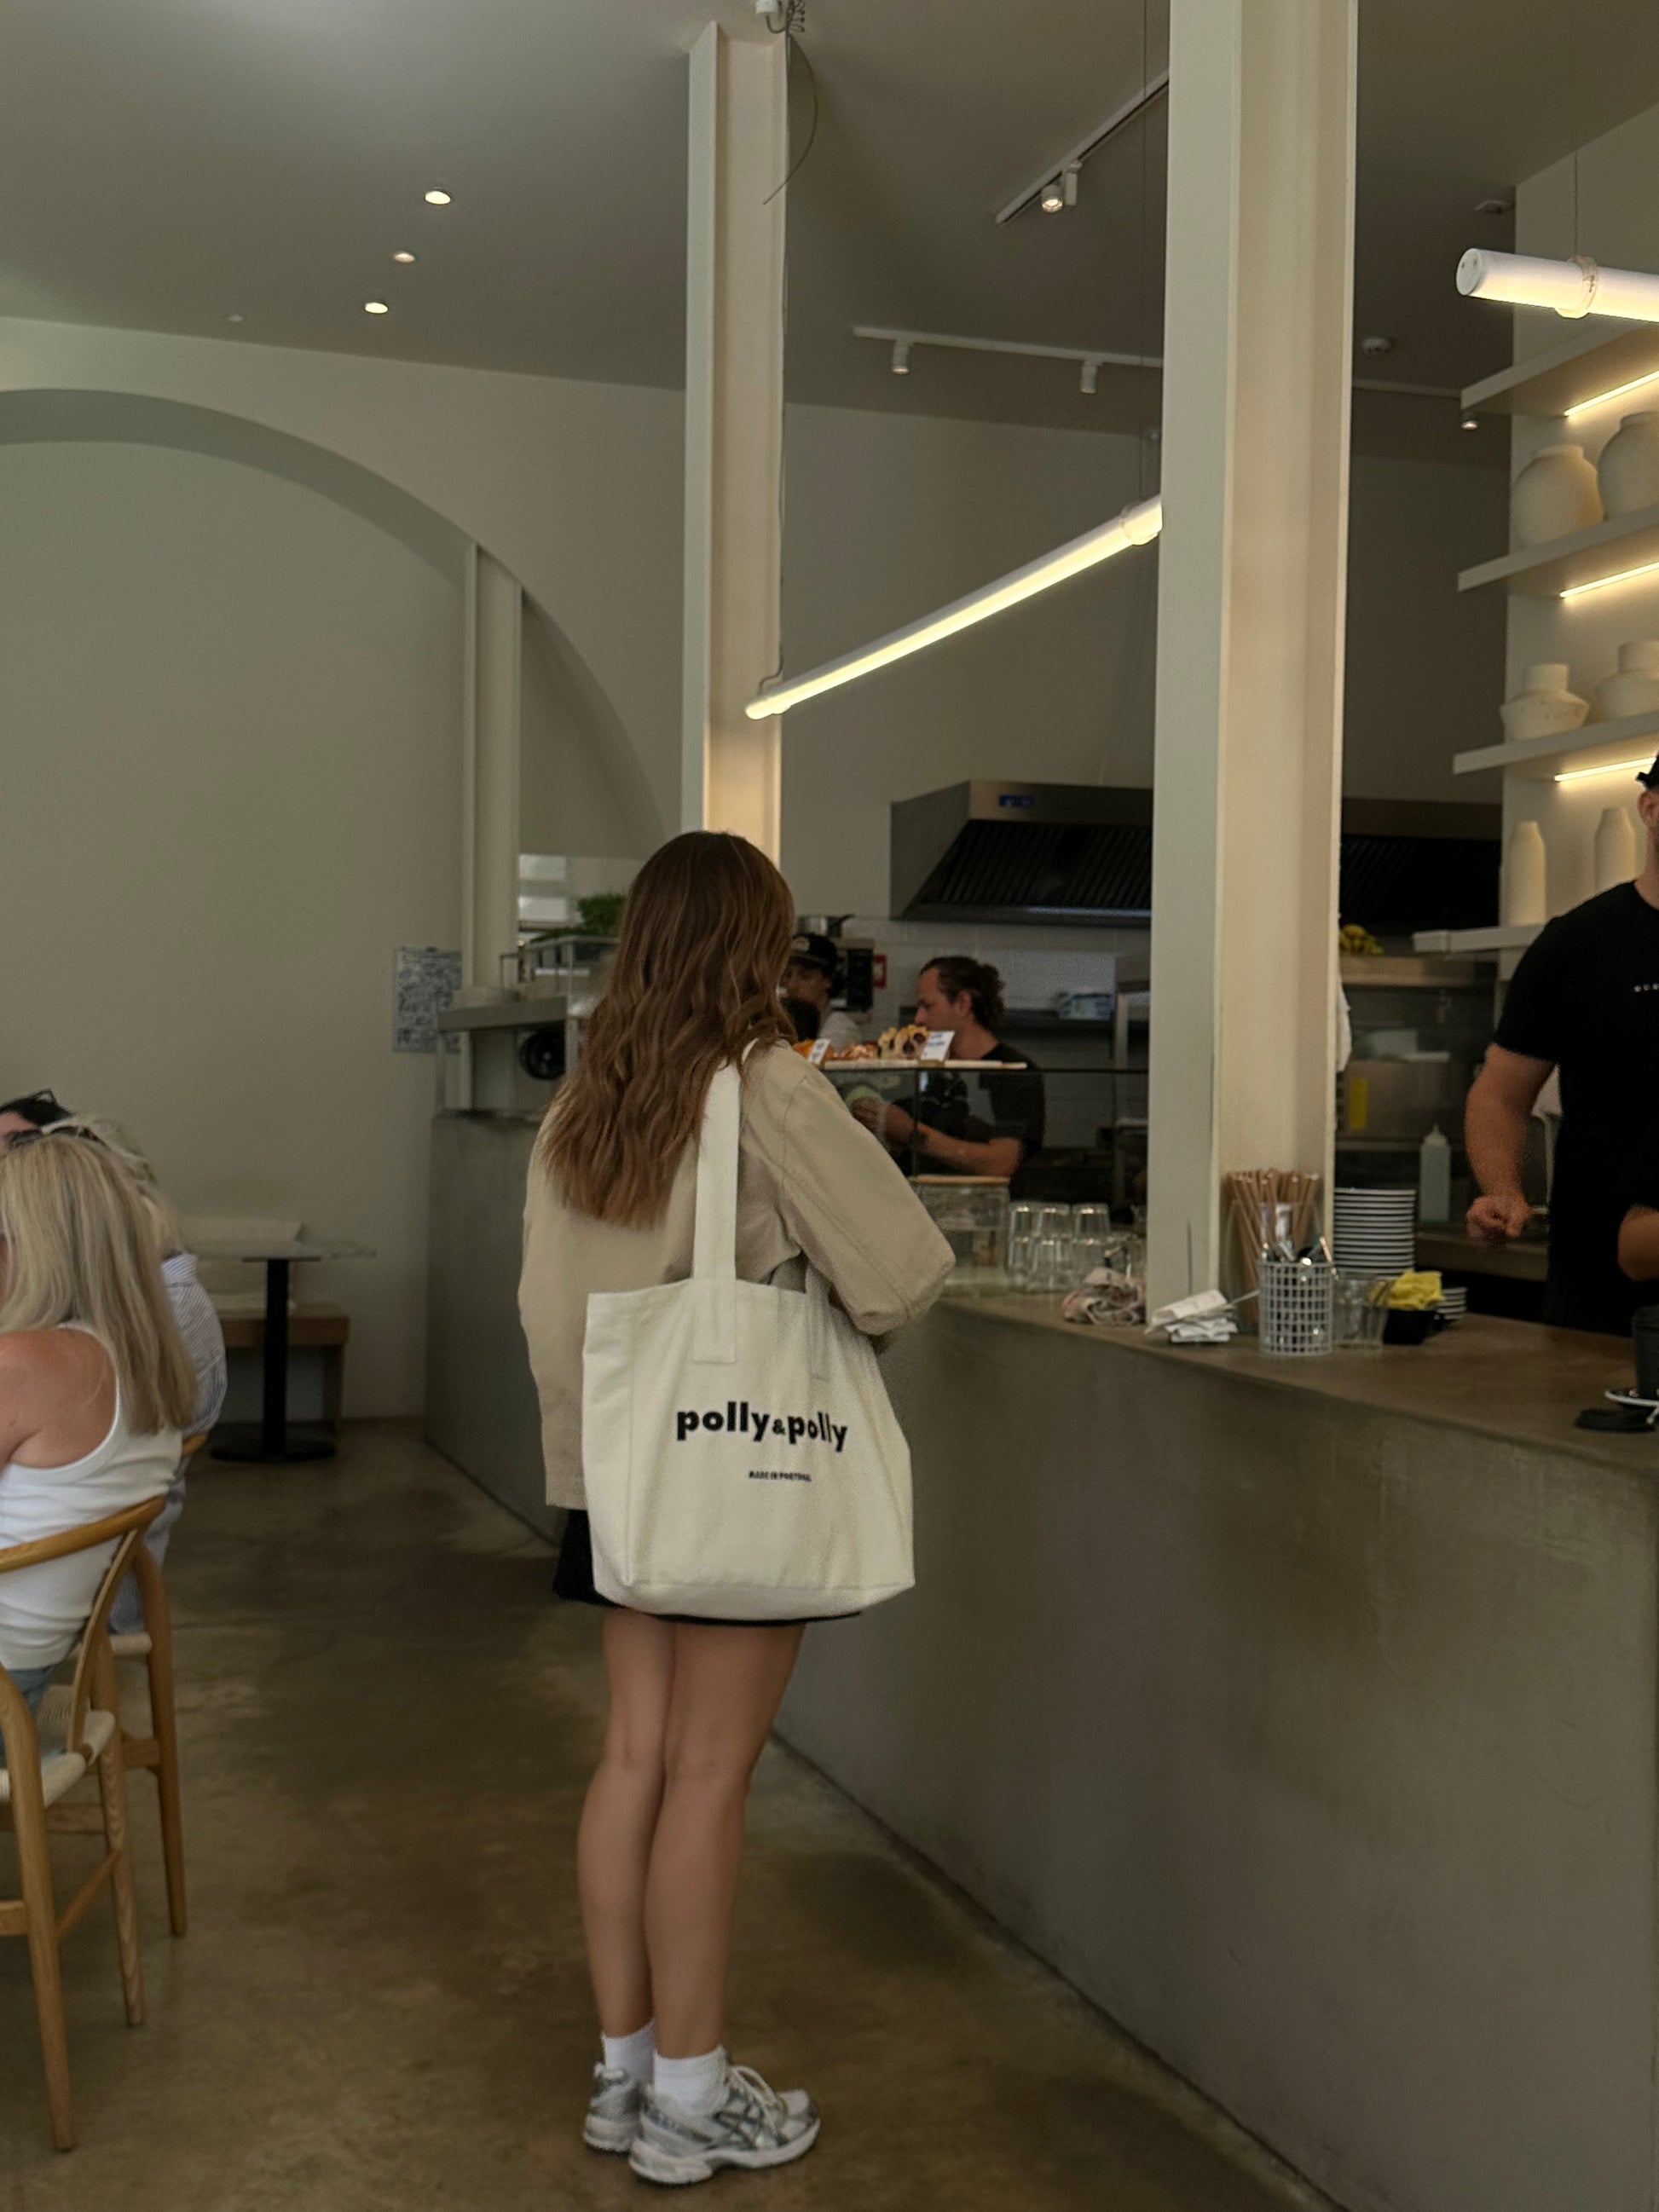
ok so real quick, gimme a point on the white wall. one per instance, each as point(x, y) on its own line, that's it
point(231, 776)
point(891, 515)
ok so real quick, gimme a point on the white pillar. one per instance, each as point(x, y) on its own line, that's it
point(1252, 581)
point(490, 796)
point(739, 151)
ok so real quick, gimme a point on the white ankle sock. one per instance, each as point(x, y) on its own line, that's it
point(693, 2083)
point(632, 2055)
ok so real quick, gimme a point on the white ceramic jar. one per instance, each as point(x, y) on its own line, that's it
point(1526, 873)
point(1615, 849)
point(1628, 471)
point(1543, 707)
point(1554, 495)
point(1634, 689)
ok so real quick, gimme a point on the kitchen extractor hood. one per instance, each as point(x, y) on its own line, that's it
point(992, 851)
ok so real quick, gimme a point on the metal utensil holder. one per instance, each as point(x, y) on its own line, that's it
point(1298, 1306)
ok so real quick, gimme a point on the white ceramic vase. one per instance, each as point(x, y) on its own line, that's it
point(1526, 869)
point(1628, 471)
point(1634, 689)
point(1543, 706)
point(1554, 495)
point(1615, 849)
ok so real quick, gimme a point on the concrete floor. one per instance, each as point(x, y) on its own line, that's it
point(381, 2005)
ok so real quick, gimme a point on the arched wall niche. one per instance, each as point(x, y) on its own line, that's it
point(604, 778)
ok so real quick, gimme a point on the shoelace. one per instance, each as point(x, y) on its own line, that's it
point(759, 2092)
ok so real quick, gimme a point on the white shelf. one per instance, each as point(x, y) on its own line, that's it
point(1588, 556)
point(1593, 744)
point(1571, 375)
point(1507, 937)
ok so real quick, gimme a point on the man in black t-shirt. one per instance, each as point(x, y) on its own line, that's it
point(1584, 1001)
point(945, 1136)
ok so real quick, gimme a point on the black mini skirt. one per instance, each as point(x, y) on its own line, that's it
point(573, 1580)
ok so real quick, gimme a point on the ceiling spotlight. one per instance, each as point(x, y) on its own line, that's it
point(1375, 347)
point(1089, 381)
point(900, 356)
point(376, 307)
point(1468, 423)
point(234, 317)
point(437, 199)
point(1493, 206)
point(402, 257)
point(1054, 196)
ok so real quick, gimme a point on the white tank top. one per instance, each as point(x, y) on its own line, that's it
point(43, 1609)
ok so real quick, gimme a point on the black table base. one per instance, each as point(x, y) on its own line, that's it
point(272, 1442)
point(246, 1441)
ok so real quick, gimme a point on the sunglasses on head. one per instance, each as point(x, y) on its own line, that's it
point(57, 1129)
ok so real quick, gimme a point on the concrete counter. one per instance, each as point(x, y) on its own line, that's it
point(1304, 1715)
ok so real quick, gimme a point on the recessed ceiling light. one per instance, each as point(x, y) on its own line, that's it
point(402, 257)
point(376, 307)
point(235, 318)
point(437, 199)
point(1493, 206)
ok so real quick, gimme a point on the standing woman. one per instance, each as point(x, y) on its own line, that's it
point(94, 1385)
point(705, 940)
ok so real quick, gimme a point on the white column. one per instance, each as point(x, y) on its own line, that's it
point(1252, 581)
point(490, 796)
point(739, 152)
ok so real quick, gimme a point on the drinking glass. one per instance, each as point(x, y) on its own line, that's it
point(1050, 1264)
point(1053, 1221)
point(1018, 1261)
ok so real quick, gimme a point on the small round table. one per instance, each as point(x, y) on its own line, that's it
point(272, 1441)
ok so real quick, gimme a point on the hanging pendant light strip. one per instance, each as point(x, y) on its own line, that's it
point(1574, 288)
point(1136, 526)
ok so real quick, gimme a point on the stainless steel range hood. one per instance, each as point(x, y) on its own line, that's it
point(1083, 853)
point(1023, 852)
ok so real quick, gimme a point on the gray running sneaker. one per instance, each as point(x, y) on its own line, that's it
point(613, 2110)
point(752, 2126)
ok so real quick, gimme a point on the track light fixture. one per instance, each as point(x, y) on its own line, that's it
point(1054, 196)
point(1089, 378)
point(900, 356)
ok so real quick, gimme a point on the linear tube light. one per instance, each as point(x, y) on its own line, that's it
point(1574, 288)
point(1619, 392)
point(1136, 526)
point(1623, 576)
point(1608, 767)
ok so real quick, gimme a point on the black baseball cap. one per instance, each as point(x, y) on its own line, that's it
point(813, 950)
point(1651, 777)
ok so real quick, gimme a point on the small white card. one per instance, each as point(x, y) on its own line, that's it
point(820, 1051)
point(938, 1045)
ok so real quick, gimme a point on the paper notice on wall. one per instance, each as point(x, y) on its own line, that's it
point(427, 978)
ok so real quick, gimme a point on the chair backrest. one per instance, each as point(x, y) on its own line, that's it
point(124, 1530)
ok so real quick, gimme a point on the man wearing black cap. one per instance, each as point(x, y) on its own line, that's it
point(1584, 1000)
point(811, 975)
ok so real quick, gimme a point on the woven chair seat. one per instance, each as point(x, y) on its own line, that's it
point(60, 1769)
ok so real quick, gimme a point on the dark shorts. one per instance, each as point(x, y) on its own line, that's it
point(573, 1580)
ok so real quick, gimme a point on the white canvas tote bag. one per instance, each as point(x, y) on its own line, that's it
point(741, 1459)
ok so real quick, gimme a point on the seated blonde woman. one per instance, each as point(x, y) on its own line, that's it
point(197, 1323)
point(94, 1385)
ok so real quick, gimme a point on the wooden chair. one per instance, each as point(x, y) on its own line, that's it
point(75, 1735)
point(157, 1753)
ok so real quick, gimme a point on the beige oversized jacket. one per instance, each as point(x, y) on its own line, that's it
point(810, 1180)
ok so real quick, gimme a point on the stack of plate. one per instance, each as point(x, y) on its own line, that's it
point(1373, 1231)
point(1454, 1304)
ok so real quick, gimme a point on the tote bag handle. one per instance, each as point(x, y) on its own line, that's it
point(715, 1239)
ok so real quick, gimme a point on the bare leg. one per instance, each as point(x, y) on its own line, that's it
point(613, 1846)
point(728, 1683)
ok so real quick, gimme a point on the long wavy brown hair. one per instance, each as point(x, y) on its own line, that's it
point(705, 940)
